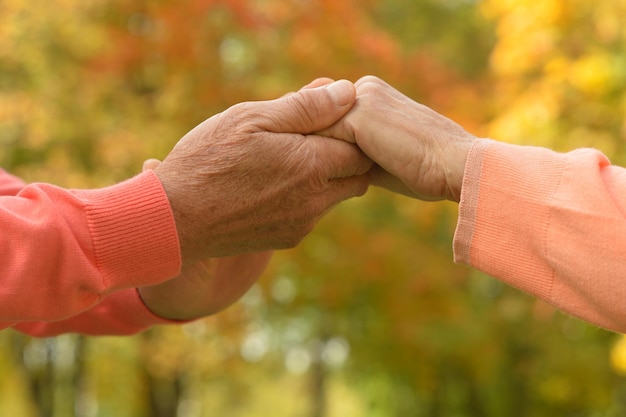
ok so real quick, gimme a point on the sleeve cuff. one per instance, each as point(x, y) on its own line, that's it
point(504, 215)
point(469, 201)
point(133, 232)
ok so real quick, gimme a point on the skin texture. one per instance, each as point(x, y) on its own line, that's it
point(206, 286)
point(417, 151)
point(268, 187)
point(243, 181)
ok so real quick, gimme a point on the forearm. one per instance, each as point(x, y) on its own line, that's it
point(62, 251)
point(121, 313)
point(550, 224)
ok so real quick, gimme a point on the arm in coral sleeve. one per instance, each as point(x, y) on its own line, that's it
point(63, 251)
point(121, 313)
point(551, 224)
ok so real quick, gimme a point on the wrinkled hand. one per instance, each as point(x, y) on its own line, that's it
point(418, 152)
point(253, 178)
point(204, 287)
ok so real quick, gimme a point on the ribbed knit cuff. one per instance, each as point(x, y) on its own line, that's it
point(505, 214)
point(468, 202)
point(133, 231)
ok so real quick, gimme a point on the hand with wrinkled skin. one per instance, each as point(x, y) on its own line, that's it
point(206, 286)
point(254, 177)
point(417, 151)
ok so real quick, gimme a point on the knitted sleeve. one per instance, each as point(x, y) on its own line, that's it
point(63, 251)
point(552, 224)
point(121, 313)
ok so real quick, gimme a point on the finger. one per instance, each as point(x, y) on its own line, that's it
point(150, 164)
point(369, 83)
point(347, 128)
point(372, 79)
point(318, 82)
point(306, 111)
point(381, 178)
point(344, 129)
point(341, 189)
point(339, 159)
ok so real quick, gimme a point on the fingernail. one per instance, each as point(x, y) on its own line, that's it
point(342, 92)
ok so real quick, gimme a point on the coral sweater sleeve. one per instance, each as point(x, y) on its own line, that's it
point(70, 260)
point(552, 224)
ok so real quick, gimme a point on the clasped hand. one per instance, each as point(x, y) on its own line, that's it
point(260, 175)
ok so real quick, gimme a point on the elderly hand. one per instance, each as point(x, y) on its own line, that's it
point(206, 286)
point(418, 152)
point(253, 178)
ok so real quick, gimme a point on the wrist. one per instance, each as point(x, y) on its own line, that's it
point(180, 215)
point(456, 158)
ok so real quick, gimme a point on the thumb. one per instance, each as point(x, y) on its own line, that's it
point(319, 82)
point(308, 110)
point(150, 164)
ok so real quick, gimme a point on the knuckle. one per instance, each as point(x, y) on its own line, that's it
point(288, 94)
point(304, 106)
point(231, 116)
point(243, 117)
point(372, 89)
point(237, 110)
point(369, 80)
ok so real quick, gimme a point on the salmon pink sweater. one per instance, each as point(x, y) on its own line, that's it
point(551, 224)
point(72, 259)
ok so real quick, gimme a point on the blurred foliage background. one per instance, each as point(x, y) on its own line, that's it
point(368, 316)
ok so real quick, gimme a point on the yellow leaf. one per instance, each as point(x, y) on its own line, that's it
point(618, 356)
